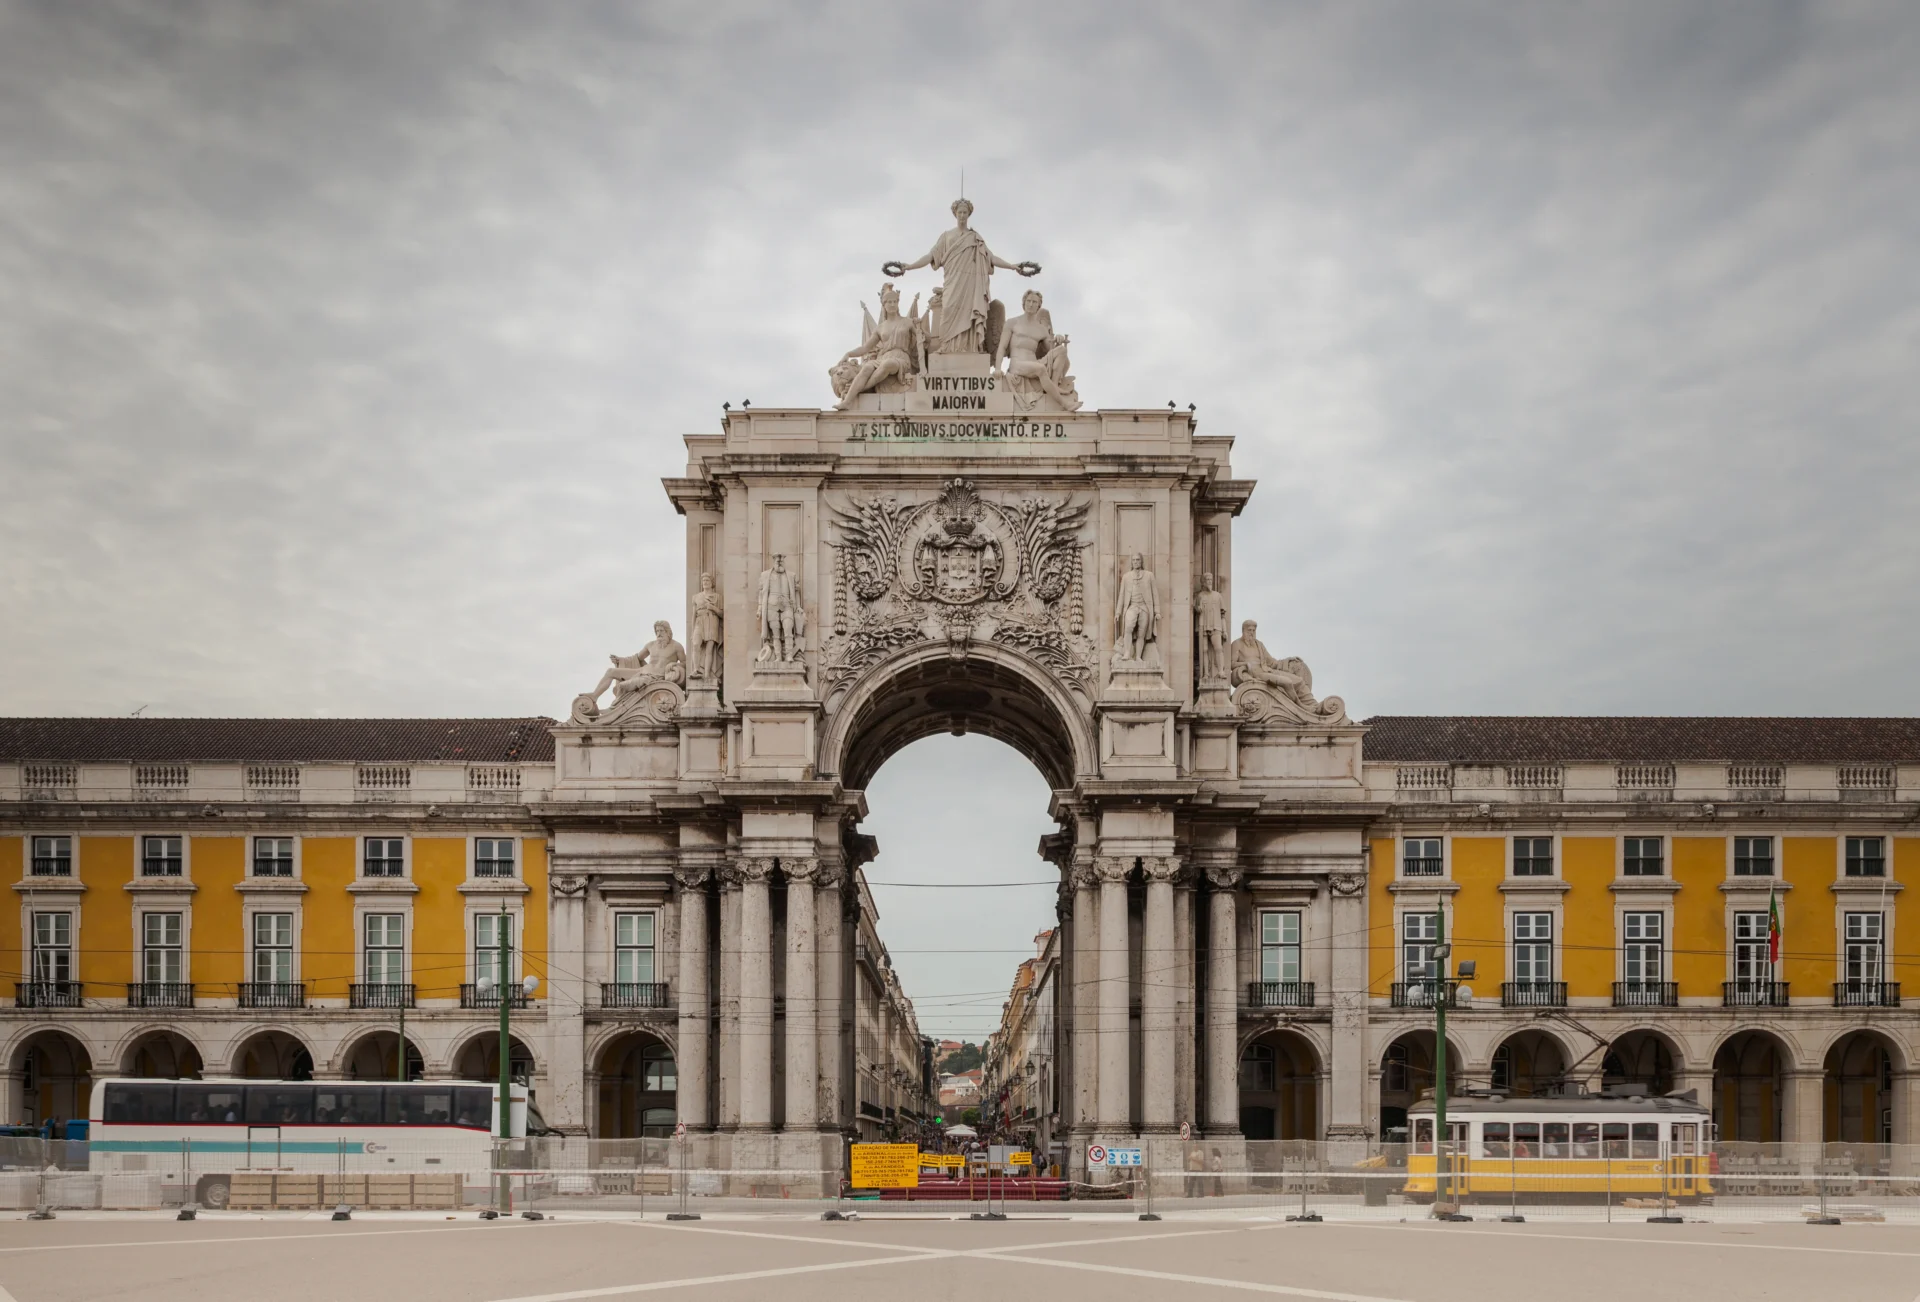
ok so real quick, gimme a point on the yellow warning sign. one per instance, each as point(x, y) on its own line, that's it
point(943, 1161)
point(1019, 1159)
point(885, 1166)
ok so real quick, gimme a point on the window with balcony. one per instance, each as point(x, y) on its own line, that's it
point(1643, 959)
point(1419, 939)
point(1866, 856)
point(162, 960)
point(1532, 948)
point(273, 856)
point(385, 856)
point(1753, 856)
point(385, 959)
point(1421, 857)
point(490, 932)
point(1752, 951)
point(161, 856)
point(1645, 857)
point(493, 857)
point(273, 948)
point(53, 947)
point(1533, 856)
point(1279, 945)
point(52, 856)
point(633, 948)
point(1863, 957)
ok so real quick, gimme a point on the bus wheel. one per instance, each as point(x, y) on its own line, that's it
point(214, 1192)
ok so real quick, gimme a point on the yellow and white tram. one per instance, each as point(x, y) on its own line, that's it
point(1572, 1147)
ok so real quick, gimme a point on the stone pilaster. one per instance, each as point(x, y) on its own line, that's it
point(1116, 980)
point(756, 994)
point(1347, 1061)
point(1085, 997)
point(1159, 966)
point(803, 998)
point(1223, 1007)
point(1184, 1069)
point(693, 1105)
point(729, 1059)
point(564, 1101)
point(828, 912)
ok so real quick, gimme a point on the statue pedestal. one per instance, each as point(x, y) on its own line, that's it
point(1214, 699)
point(1135, 679)
point(703, 700)
point(974, 364)
point(779, 682)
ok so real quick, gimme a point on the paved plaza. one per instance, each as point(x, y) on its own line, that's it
point(217, 1259)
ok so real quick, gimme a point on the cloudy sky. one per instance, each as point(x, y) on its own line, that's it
point(342, 347)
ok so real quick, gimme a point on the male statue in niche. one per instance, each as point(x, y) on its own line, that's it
point(708, 620)
point(781, 617)
point(1210, 626)
point(1136, 613)
point(960, 316)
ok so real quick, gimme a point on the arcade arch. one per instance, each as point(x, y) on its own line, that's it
point(1858, 1103)
point(479, 1058)
point(1280, 1075)
point(1644, 1058)
point(1528, 1063)
point(1406, 1072)
point(1749, 1095)
point(637, 1082)
point(273, 1055)
point(55, 1074)
point(162, 1054)
point(372, 1057)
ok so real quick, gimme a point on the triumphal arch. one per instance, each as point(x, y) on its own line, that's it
point(958, 542)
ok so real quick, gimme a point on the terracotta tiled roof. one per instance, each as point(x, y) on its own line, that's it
point(277, 741)
point(1500, 739)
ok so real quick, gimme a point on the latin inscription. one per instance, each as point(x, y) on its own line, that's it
point(906, 430)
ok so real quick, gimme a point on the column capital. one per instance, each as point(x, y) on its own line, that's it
point(691, 876)
point(753, 868)
point(801, 870)
point(1112, 869)
point(1081, 875)
point(1224, 876)
point(1160, 868)
point(1347, 884)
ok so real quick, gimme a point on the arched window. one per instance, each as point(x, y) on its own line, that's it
point(658, 1073)
point(1257, 1069)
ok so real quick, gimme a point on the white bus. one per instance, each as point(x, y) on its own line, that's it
point(204, 1130)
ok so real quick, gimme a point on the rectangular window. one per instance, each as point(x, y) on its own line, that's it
point(1644, 944)
point(492, 857)
point(1866, 856)
point(1419, 935)
point(273, 856)
point(161, 960)
point(633, 948)
point(386, 952)
point(1644, 858)
point(1533, 856)
point(1532, 948)
point(53, 947)
point(346, 1105)
point(385, 856)
point(1752, 963)
point(1863, 959)
point(488, 931)
point(140, 1104)
point(1422, 858)
point(53, 856)
point(1753, 856)
point(1279, 946)
point(273, 948)
point(160, 856)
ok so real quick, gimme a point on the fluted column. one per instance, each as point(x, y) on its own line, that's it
point(803, 998)
point(1223, 1016)
point(1159, 960)
point(690, 1103)
point(1116, 981)
point(1086, 996)
point(756, 995)
point(729, 1058)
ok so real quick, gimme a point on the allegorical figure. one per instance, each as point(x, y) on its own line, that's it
point(1252, 664)
point(1210, 627)
point(959, 324)
point(1136, 613)
point(708, 621)
point(888, 352)
point(780, 614)
point(1036, 357)
point(662, 660)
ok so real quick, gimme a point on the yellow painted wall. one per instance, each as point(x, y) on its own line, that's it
point(1699, 914)
point(439, 917)
point(13, 867)
point(106, 917)
point(533, 861)
point(1380, 939)
point(1586, 961)
point(328, 946)
point(219, 941)
point(1479, 924)
point(1904, 958)
point(1808, 942)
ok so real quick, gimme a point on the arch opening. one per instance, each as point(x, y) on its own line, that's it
point(273, 1055)
point(1749, 1088)
point(373, 1057)
point(163, 1055)
point(638, 1076)
point(1528, 1064)
point(1644, 1058)
point(1857, 1103)
point(1279, 1087)
point(479, 1059)
point(1406, 1074)
point(56, 1077)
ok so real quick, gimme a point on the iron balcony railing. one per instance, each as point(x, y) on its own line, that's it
point(633, 994)
point(1533, 994)
point(54, 866)
point(1753, 994)
point(1646, 994)
point(273, 994)
point(1280, 994)
point(1421, 867)
point(160, 994)
point(46, 994)
point(160, 866)
point(472, 996)
point(1866, 994)
point(1421, 994)
point(391, 995)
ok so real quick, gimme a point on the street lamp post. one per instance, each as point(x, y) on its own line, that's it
point(501, 985)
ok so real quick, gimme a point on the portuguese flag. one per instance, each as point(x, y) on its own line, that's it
point(1773, 928)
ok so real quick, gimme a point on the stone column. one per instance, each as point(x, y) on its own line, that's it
point(1086, 993)
point(1806, 1108)
point(1906, 1099)
point(1159, 959)
point(565, 1101)
point(691, 1100)
point(1116, 983)
point(803, 999)
point(828, 906)
point(1183, 1064)
point(729, 1065)
point(756, 995)
point(1345, 1110)
point(1223, 1004)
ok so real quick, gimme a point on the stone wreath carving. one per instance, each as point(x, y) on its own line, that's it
point(959, 569)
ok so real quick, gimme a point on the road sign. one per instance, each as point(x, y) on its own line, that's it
point(1096, 1155)
point(1186, 1132)
point(680, 1130)
point(1124, 1157)
point(884, 1166)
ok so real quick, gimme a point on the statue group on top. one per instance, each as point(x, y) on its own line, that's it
point(962, 316)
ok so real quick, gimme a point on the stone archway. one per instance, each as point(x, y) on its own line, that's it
point(639, 1080)
point(1279, 1087)
point(1857, 1103)
point(371, 1057)
point(479, 1059)
point(163, 1055)
point(56, 1077)
point(273, 1055)
point(1749, 1095)
point(1644, 1058)
point(1406, 1073)
point(1528, 1064)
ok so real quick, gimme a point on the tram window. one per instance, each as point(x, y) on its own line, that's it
point(1685, 1137)
point(473, 1107)
point(351, 1106)
point(1526, 1139)
point(1555, 1136)
point(417, 1107)
point(1646, 1139)
point(1493, 1139)
point(1613, 1138)
point(1423, 1135)
point(140, 1104)
point(280, 1105)
point(1586, 1139)
point(209, 1105)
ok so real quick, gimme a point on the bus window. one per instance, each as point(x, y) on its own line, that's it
point(1556, 1140)
point(419, 1107)
point(1646, 1139)
point(1493, 1139)
point(1526, 1139)
point(140, 1104)
point(1423, 1135)
point(347, 1105)
point(209, 1105)
point(473, 1107)
point(279, 1105)
point(1613, 1138)
point(1586, 1139)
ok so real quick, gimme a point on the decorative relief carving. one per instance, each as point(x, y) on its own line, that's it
point(959, 569)
point(1347, 884)
point(1278, 691)
point(569, 885)
point(646, 685)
